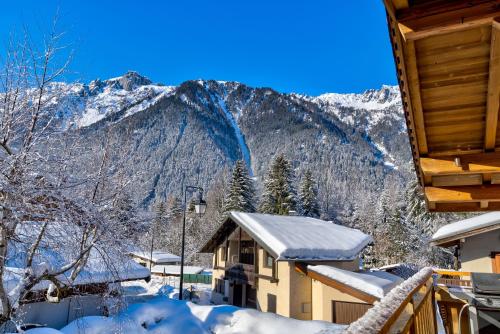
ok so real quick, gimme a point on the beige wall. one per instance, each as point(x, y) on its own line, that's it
point(297, 296)
point(476, 251)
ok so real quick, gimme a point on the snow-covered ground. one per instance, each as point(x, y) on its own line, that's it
point(161, 313)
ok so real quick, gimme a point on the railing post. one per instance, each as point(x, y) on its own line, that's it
point(435, 308)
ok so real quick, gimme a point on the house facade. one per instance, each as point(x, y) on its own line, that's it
point(476, 241)
point(267, 262)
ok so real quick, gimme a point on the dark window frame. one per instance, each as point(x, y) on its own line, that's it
point(266, 258)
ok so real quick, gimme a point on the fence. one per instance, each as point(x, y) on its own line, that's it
point(416, 314)
point(408, 308)
point(197, 278)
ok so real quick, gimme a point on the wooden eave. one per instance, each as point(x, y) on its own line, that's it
point(302, 268)
point(219, 236)
point(447, 56)
point(228, 227)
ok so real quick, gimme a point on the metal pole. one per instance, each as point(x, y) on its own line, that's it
point(183, 241)
point(151, 253)
point(181, 278)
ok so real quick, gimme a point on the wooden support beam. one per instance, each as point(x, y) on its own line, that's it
point(400, 4)
point(469, 164)
point(457, 180)
point(464, 194)
point(410, 34)
point(416, 100)
point(493, 99)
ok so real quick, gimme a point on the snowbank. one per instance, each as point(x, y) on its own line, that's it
point(375, 283)
point(304, 238)
point(168, 316)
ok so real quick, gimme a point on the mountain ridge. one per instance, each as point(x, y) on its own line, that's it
point(191, 132)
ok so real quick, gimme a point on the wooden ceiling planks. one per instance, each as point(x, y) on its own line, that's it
point(447, 56)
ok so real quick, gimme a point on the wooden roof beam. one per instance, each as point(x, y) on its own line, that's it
point(493, 99)
point(461, 164)
point(410, 34)
point(414, 89)
point(464, 194)
point(400, 4)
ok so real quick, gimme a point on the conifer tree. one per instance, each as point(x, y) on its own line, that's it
point(241, 192)
point(174, 225)
point(279, 196)
point(309, 196)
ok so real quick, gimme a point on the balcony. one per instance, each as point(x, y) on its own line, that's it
point(241, 273)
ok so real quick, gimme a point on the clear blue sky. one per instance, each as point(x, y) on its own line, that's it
point(307, 46)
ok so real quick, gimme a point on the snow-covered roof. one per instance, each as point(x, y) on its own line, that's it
point(96, 271)
point(375, 283)
point(158, 256)
point(467, 227)
point(57, 249)
point(175, 270)
point(302, 238)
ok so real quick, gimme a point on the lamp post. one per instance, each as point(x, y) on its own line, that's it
point(199, 206)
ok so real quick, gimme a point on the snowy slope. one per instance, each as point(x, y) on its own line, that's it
point(370, 107)
point(227, 121)
point(79, 105)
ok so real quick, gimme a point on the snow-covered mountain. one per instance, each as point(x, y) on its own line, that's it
point(192, 131)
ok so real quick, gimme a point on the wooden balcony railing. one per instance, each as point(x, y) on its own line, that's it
point(452, 278)
point(409, 308)
point(243, 273)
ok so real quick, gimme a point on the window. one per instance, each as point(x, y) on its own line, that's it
point(268, 260)
point(223, 253)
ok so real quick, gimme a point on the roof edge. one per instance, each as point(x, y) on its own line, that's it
point(449, 240)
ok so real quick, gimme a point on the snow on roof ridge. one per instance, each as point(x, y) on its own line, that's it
point(467, 225)
point(302, 238)
point(375, 283)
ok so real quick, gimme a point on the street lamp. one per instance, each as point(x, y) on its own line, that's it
point(200, 207)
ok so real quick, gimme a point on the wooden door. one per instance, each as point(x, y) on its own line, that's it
point(347, 312)
point(238, 295)
point(495, 262)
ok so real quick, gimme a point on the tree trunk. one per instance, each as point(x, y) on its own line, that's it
point(4, 299)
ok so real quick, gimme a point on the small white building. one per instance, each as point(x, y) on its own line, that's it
point(155, 258)
point(175, 270)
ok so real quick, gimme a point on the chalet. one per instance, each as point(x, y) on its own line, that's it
point(298, 267)
point(477, 241)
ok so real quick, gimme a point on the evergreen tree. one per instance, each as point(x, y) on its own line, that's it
point(174, 209)
point(279, 196)
point(309, 196)
point(241, 192)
